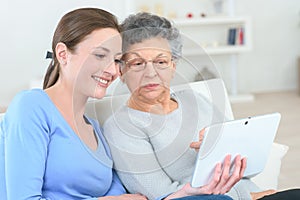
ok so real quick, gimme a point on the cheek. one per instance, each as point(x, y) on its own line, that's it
point(132, 82)
point(166, 76)
point(85, 70)
point(90, 67)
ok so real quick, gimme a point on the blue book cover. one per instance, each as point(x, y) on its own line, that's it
point(231, 36)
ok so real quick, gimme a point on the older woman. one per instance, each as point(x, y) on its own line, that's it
point(150, 137)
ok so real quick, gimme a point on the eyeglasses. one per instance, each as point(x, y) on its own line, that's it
point(139, 64)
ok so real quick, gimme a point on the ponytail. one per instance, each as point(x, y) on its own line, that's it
point(52, 74)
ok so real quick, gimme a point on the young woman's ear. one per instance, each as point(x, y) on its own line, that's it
point(61, 53)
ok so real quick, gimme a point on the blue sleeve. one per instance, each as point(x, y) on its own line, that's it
point(25, 133)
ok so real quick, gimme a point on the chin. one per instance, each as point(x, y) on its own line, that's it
point(152, 95)
point(99, 94)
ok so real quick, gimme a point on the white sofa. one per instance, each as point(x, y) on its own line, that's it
point(103, 108)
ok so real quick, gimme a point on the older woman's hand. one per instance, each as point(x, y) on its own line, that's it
point(196, 145)
point(221, 182)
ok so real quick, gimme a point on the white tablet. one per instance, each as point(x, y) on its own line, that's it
point(250, 137)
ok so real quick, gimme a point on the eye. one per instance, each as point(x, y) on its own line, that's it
point(101, 56)
point(161, 62)
point(136, 62)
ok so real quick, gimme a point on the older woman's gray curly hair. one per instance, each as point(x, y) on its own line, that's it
point(141, 26)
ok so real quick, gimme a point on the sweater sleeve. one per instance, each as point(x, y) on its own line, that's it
point(136, 163)
point(25, 134)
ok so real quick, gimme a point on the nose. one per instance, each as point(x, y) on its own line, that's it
point(150, 69)
point(112, 68)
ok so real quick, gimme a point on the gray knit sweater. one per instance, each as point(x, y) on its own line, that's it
point(151, 152)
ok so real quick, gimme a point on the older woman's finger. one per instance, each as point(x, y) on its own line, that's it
point(201, 134)
point(239, 165)
point(210, 188)
point(225, 175)
point(195, 145)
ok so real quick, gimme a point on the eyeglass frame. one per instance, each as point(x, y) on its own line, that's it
point(145, 62)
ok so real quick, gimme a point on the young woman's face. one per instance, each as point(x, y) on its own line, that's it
point(94, 64)
point(148, 68)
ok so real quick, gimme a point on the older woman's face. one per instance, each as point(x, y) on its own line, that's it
point(148, 68)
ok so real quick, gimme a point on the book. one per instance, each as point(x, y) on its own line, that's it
point(239, 36)
point(231, 36)
point(236, 36)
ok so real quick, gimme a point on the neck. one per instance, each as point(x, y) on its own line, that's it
point(161, 105)
point(70, 104)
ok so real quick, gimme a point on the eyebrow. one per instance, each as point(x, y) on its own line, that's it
point(161, 54)
point(107, 50)
point(103, 48)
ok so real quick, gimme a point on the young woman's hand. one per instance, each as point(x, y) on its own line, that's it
point(222, 181)
point(125, 197)
point(258, 195)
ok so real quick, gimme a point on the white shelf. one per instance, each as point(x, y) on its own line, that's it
point(196, 28)
point(216, 50)
point(211, 21)
point(190, 26)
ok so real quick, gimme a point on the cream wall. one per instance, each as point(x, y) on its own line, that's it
point(26, 33)
point(27, 28)
point(272, 64)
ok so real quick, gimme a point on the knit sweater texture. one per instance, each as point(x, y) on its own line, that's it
point(151, 152)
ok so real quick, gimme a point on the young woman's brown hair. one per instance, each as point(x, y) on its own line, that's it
point(72, 29)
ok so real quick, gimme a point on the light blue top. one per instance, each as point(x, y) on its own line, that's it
point(41, 157)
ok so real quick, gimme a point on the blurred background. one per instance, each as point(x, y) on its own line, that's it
point(253, 45)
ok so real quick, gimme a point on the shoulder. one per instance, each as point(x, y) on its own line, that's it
point(205, 107)
point(191, 97)
point(117, 118)
point(124, 125)
point(30, 105)
point(28, 99)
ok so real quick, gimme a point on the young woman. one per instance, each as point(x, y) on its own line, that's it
point(49, 148)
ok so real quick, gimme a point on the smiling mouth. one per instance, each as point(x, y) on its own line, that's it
point(100, 80)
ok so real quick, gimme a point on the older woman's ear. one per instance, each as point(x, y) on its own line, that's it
point(174, 69)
